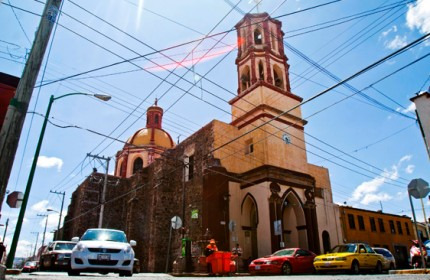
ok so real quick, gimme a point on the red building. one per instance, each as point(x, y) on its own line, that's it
point(8, 85)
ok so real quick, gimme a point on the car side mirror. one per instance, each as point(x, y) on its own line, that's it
point(297, 255)
point(133, 243)
point(75, 239)
point(362, 251)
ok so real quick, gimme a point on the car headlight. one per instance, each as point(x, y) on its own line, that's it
point(317, 259)
point(80, 247)
point(340, 259)
point(127, 249)
point(60, 256)
point(272, 262)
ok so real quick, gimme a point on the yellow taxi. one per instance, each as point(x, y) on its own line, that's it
point(352, 257)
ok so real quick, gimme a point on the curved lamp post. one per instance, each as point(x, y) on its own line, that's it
point(59, 221)
point(18, 227)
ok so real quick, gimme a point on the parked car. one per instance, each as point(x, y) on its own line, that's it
point(352, 257)
point(103, 250)
point(285, 261)
point(389, 262)
point(56, 255)
point(30, 266)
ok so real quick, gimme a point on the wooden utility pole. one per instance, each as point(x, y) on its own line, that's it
point(15, 116)
point(103, 197)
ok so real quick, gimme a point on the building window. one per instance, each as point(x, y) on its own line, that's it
point(372, 224)
point(189, 167)
point(258, 38)
point(261, 70)
point(249, 147)
point(137, 165)
point(381, 225)
point(351, 221)
point(392, 228)
point(399, 227)
point(360, 222)
point(157, 119)
point(407, 229)
point(244, 78)
point(274, 40)
point(277, 76)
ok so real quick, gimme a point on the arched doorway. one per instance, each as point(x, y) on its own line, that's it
point(326, 241)
point(249, 226)
point(293, 221)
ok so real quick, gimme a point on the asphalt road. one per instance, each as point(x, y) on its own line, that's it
point(148, 276)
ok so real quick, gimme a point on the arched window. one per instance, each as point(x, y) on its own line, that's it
point(137, 165)
point(258, 38)
point(122, 170)
point(244, 79)
point(156, 119)
point(261, 70)
point(277, 76)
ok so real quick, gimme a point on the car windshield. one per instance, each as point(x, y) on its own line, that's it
point(104, 235)
point(30, 263)
point(64, 246)
point(287, 252)
point(347, 248)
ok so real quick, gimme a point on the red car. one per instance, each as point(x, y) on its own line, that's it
point(285, 261)
point(30, 266)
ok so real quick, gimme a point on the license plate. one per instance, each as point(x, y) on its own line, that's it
point(257, 267)
point(327, 264)
point(103, 257)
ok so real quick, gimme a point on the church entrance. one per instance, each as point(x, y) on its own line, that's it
point(294, 222)
point(249, 226)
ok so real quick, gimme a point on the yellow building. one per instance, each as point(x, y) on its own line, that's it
point(378, 229)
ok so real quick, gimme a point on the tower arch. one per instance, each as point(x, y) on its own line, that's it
point(249, 221)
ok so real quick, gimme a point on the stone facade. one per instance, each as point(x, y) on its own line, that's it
point(245, 182)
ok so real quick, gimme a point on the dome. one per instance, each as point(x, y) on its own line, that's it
point(152, 137)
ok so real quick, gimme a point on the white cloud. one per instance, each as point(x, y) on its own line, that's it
point(41, 206)
point(372, 197)
point(418, 16)
point(411, 108)
point(49, 162)
point(396, 43)
point(392, 29)
point(410, 169)
point(369, 191)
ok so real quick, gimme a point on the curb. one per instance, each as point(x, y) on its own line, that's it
point(410, 271)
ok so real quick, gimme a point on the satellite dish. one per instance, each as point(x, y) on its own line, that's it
point(176, 222)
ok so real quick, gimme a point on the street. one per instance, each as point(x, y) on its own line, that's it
point(90, 276)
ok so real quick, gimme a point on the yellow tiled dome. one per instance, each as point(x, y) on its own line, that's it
point(151, 136)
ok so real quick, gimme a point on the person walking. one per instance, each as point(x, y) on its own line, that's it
point(236, 254)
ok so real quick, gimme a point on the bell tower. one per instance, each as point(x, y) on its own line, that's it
point(264, 89)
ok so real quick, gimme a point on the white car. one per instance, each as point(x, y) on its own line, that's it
point(389, 260)
point(102, 250)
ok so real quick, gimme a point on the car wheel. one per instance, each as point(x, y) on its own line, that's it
point(104, 273)
point(73, 273)
point(355, 267)
point(286, 269)
point(392, 267)
point(378, 269)
point(41, 265)
point(126, 273)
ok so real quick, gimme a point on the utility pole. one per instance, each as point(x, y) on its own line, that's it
point(59, 236)
point(35, 245)
point(102, 202)
point(17, 110)
point(44, 231)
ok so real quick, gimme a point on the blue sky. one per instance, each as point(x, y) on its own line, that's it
point(388, 146)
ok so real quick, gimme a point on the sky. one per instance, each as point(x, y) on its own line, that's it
point(370, 142)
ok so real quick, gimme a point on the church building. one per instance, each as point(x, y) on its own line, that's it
point(246, 182)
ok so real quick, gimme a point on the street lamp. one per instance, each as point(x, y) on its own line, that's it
point(11, 255)
point(59, 221)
